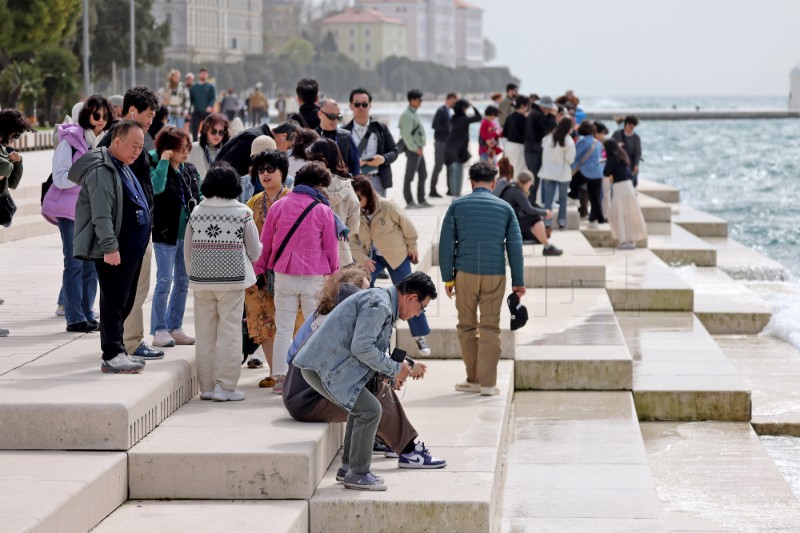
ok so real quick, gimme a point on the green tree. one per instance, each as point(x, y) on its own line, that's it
point(20, 82)
point(59, 70)
point(328, 45)
point(27, 25)
point(298, 50)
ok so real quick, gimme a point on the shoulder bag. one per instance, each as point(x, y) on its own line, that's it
point(584, 158)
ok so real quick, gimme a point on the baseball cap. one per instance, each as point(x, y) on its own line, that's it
point(519, 313)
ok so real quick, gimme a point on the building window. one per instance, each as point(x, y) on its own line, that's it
point(352, 33)
point(366, 47)
point(352, 47)
point(366, 63)
point(366, 32)
point(233, 43)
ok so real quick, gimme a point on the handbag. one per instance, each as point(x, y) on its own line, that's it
point(584, 158)
point(7, 209)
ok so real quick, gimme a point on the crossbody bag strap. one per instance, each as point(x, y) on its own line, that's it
point(586, 157)
point(294, 228)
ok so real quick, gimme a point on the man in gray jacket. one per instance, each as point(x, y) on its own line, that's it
point(112, 228)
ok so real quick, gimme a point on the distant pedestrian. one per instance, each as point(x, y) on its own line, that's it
point(230, 104)
point(514, 132)
point(588, 169)
point(412, 136)
point(203, 95)
point(506, 107)
point(541, 121)
point(558, 153)
point(214, 135)
point(625, 215)
point(175, 95)
point(221, 244)
point(258, 107)
point(441, 131)
point(489, 137)
point(280, 107)
point(629, 140)
point(457, 148)
point(307, 95)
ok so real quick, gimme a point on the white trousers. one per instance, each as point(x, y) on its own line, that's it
point(218, 338)
point(515, 152)
point(291, 294)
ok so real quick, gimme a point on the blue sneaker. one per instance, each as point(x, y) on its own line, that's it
point(147, 353)
point(342, 472)
point(366, 481)
point(420, 458)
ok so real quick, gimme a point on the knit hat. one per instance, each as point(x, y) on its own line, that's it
point(262, 143)
point(519, 313)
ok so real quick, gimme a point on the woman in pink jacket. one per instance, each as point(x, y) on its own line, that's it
point(301, 259)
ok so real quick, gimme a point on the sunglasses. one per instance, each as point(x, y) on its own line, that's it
point(360, 104)
point(98, 116)
point(216, 132)
point(332, 116)
point(267, 169)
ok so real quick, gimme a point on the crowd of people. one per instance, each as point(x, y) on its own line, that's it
point(282, 232)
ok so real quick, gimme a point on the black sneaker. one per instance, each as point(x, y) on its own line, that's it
point(412, 205)
point(435, 194)
point(552, 251)
point(423, 203)
point(378, 446)
point(82, 327)
point(146, 353)
point(384, 275)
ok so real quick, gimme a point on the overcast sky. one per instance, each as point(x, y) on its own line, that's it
point(647, 47)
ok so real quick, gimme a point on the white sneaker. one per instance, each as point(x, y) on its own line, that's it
point(181, 338)
point(121, 364)
point(489, 391)
point(422, 346)
point(206, 395)
point(222, 395)
point(163, 339)
point(60, 310)
point(466, 386)
point(593, 224)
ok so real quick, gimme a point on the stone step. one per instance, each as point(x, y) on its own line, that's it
point(27, 206)
point(742, 262)
point(59, 491)
point(637, 280)
point(601, 237)
point(716, 476)
point(681, 247)
point(664, 193)
point(679, 372)
point(723, 305)
point(25, 227)
point(698, 222)
point(199, 515)
point(577, 267)
point(467, 430)
point(575, 461)
point(653, 209)
point(771, 368)
point(233, 450)
point(572, 341)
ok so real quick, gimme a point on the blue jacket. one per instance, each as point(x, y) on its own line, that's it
point(477, 232)
point(349, 348)
point(592, 168)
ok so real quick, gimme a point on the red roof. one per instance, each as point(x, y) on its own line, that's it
point(356, 15)
point(465, 5)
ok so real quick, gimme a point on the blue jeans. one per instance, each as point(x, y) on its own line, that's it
point(456, 178)
point(418, 325)
point(178, 122)
point(169, 266)
point(549, 188)
point(377, 185)
point(79, 280)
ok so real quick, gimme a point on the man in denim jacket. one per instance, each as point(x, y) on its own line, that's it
point(349, 349)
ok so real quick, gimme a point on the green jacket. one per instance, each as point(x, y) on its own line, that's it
point(11, 171)
point(411, 130)
point(98, 214)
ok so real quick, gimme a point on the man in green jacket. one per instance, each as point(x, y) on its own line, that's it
point(412, 135)
point(203, 96)
point(112, 228)
point(478, 230)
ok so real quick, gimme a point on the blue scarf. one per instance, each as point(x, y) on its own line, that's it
point(342, 231)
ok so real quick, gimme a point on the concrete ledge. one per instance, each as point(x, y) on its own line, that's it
point(659, 191)
point(682, 248)
point(742, 262)
point(654, 210)
point(59, 491)
point(640, 281)
point(576, 268)
point(182, 516)
point(699, 223)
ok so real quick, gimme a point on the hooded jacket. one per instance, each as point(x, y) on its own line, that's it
point(60, 202)
point(98, 212)
point(345, 204)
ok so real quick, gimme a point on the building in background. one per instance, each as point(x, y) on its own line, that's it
point(367, 36)
point(212, 30)
point(441, 32)
point(469, 35)
point(281, 23)
point(414, 14)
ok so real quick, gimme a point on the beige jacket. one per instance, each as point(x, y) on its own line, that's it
point(390, 231)
point(344, 203)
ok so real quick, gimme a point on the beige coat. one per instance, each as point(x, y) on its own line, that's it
point(390, 231)
point(344, 203)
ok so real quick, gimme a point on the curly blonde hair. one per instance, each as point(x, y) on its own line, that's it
point(354, 274)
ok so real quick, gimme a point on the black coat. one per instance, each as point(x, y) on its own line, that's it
point(237, 150)
point(457, 147)
point(307, 116)
point(537, 128)
point(387, 147)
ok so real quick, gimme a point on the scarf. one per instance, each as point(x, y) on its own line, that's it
point(342, 231)
point(91, 138)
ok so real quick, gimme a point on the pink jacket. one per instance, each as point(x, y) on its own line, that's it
point(60, 203)
point(313, 250)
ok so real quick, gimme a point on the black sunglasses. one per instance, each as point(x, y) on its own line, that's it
point(332, 116)
point(267, 169)
point(216, 132)
point(360, 104)
point(98, 116)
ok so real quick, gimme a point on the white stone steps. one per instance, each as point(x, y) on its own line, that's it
point(742, 262)
point(717, 476)
point(654, 210)
point(59, 491)
point(572, 341)
point(26, 226)
point(575, 461)
point(679, 372)
point(698, 222)
point(460, 497)
point(233, 450)
point(200, 515)
point(577, 267)
point(681, 247)
point(723, 305)
point(659, 191)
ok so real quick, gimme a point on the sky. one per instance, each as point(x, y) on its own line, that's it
point(646, 47)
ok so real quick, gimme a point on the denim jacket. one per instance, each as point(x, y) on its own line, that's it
point(349, 348)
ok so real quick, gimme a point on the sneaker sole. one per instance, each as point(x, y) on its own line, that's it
point(149, 358)
point(183, 343)
point(112, 371)
point(413, 466)
point(458, 389)
point(364, 487)
point(168, 345)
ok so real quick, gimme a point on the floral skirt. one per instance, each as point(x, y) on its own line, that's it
point(259, 307)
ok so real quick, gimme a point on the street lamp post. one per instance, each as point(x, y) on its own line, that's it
point(133, 45)
point(87, 80)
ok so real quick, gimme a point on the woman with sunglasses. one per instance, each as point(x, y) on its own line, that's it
point(176, 193)
point(213, 135)
point(79, 278)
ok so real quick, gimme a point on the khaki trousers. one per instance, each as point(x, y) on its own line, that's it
point(479, 337)
point(218, 338)
point(133, 328)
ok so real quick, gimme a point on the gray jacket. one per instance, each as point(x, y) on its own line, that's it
point(98, 213)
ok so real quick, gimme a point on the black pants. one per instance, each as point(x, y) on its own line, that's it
point(438, 164)
point(595, 188)
point(415, 163)
point(533, 160)
point(117, 294)
point(197, 118)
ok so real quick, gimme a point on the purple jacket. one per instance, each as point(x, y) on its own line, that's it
point(60, 203)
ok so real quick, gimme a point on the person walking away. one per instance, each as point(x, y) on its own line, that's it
point(356, 337)
point(175, 95)
point(530, 218)
point(259, 106)
point(489, 137)
point(298, 260)
point(514, 132)
point(478, 231)
point(203, 96)
point(558, 153)
point(230, 104)
point(280, 107)
point(441, 131)
point(388, 242)
point(457, 148)
point(214, 135)
point(374, 142)
point(221, 244)
point(177, 192)
point(587, 164)
point(625, 215)
point(508, 104)
point(79, 278)
point(329, 117)
point(541, 121)
point(412, 138)
point(629, 140)
point(307, 115)
point(112, 228)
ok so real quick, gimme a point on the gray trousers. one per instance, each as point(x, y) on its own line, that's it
point(362, 425)
point(415, 163)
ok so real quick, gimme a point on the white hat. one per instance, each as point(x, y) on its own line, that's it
point(262, 143)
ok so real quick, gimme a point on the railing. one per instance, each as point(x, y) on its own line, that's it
point(36, 140)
